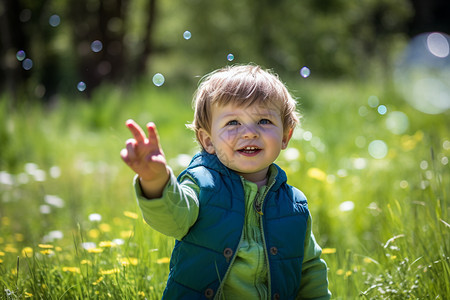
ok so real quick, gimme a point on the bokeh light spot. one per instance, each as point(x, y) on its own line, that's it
point(158, 79)
point(397, 122)
point(378, 149)
point(27, 64)
point(438, 45)
point(20, 55)
point(230, 57)
point(382, 109)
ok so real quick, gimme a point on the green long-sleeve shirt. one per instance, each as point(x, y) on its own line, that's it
point(177, 210)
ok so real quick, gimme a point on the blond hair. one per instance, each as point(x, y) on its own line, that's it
point(242, 85)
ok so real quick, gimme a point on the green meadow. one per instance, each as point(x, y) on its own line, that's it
point(375, 171)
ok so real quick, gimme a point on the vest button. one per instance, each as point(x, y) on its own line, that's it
point(209, 293)
point(276, 296)
point(274, 250)
point(228, 252)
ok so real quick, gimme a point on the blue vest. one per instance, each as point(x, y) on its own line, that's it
point(201, 259)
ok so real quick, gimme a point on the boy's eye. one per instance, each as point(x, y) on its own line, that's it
point(233, 122)
point(264, 122)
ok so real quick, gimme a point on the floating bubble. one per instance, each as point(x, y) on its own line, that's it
point(96, 46)
point(378, 149)
point(187, 35)
point(54, 20)
point(27, 64)
point(158, 79)
point(20, 55)
point(373, 101)
point(422, 72)
point(230, 57)
point(305, 72)
point(438, 45)
point(382, 109)
point(397, 122)
point(81, 86)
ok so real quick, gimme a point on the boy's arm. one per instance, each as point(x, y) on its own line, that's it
point(175, 211)
point(314, 282)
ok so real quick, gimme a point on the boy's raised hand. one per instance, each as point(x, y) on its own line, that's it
point(145, 157)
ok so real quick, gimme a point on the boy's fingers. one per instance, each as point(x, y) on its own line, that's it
point(153, 137)
point(136, 130)
point(124, 155)
point(130, 150)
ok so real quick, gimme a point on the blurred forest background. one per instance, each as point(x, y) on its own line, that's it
point(119, 41)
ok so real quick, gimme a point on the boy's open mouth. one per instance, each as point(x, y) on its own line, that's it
point(249, 150)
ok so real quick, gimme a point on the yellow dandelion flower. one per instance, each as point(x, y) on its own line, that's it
point(367, 260)
point(59, 249)
point(43, 286)
point(98, 280)
point(130, 215)
point(348, 273)
point(105, 227)
point(141, 293)
point(45, 246)
point(110, 272)
point(107, 244)
point(94, 233)
point(1, 260)
point(47, 252)
point(97, 292)
point(317, 174)
point(393, 257)
point(10, 249)
point(128, 261)
point(340, 272)
point(2, 253)
point(27, 251)
point(28, 295)
point(71, 269)
point(328, 250)
point(95, 250)
point(164, 260)
point(86, 262)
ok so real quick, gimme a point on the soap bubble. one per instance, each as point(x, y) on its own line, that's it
point(422, 72)
point(54, 20)
point(81, 86)
point(382, 109)
point(96, 46)
point(187, 35)
point(27, 64)
point(158, 79)
point(378, 149)
point(230, 57)
point(373, 101)
point(20, 55)
point(305, 72)
point(397, 122)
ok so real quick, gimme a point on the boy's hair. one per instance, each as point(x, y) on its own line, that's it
point(242, 85)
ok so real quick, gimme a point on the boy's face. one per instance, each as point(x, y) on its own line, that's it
point(246, 139)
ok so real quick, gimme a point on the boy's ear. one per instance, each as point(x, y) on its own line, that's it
point(206, 141)
point(286, 138)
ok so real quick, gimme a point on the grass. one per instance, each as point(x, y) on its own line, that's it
point(70, 227)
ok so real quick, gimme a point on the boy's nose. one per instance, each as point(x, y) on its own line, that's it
point(249, 132)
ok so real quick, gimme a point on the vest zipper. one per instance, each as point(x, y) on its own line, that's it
point(261, 227)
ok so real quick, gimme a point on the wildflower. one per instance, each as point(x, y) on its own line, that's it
point(88, 245)
point(130, 215)
point(47, 252)
point(54, 201)
point(107, 244)
point(95, 250)
point(164, 260)
point(86, 262)
point(10, 249)
point(141, 293)
point(316, 173)
point(71, 269)
point(2, 253)
point(367, 260)
point(110, 272)
point(347, 206)
point(348, 273)
point(126, 234)
point(105, 227)
point(28, 295)
point(45, 246)
point(340, 272)
point(19, 237)
point(95, 217)
point(328, 250)
point(128, 260)
point(98, 280)
point(118, 241)
point(27, 251)
point(94, 233)
point(1, 260)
